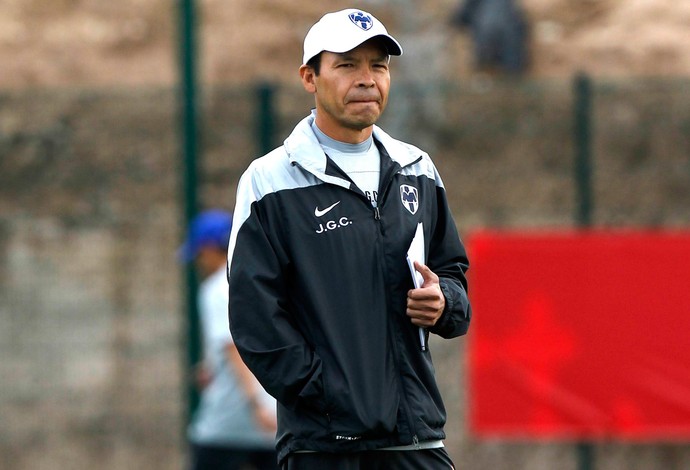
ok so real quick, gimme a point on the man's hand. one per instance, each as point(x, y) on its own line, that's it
point(201, 375)
point(266, 419)
point(425, 304)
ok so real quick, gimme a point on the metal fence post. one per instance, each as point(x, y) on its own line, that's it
point(266, 122)
point(583, 180)
point(583, 149)
point(189, 121)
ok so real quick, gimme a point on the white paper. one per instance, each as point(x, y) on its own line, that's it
point(416, 253)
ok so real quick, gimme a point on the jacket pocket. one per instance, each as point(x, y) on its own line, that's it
point(363, 405)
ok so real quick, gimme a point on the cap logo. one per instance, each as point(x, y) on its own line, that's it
point(362, 20)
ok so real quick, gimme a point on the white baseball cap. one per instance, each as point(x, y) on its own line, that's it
point(343, 30)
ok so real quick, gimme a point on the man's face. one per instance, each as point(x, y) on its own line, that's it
point(208, 260)
point(351, 90)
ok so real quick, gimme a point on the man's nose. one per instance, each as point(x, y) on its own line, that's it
point(366, 78)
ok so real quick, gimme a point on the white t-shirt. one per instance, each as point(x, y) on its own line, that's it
point(224, 416)
point(361, 162)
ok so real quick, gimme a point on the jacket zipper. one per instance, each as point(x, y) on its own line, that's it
point(383, 194)
point(377, 216)
point(415, 441)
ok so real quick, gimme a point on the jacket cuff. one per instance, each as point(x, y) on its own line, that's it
point(455, 318)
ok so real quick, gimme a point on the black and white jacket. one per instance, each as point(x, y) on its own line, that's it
point(318, 291)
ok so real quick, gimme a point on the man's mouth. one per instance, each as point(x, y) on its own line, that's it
point(363, 100)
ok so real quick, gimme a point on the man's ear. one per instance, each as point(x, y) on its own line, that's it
point(308, 78)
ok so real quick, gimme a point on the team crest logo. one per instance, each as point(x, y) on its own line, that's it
point(362, 20)
point(409, 197)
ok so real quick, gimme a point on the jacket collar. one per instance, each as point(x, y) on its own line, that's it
point(303, 149)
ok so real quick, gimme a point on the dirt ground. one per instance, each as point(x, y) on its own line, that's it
point(65, 43)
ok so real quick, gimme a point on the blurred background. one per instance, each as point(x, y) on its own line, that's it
point(111, 136)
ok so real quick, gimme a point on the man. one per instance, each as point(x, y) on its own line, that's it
point(323, 307)
point(235, 423)
point(499, 30)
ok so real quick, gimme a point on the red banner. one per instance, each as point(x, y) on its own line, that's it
point(580, 335)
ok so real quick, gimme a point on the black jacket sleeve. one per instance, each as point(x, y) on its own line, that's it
point(260, 321)
point(448, 259)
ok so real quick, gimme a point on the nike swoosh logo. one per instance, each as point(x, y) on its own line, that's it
point(318, 212)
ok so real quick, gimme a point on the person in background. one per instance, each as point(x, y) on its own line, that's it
point(499, 30)
point(235, 423)
point(325, 307)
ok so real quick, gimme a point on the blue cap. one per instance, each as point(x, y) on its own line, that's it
point(209, 228)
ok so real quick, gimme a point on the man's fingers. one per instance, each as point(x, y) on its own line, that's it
point(427, 274)
point(425, 304)
point(419, 303)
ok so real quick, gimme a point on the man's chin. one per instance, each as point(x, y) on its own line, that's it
point(362, 122)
